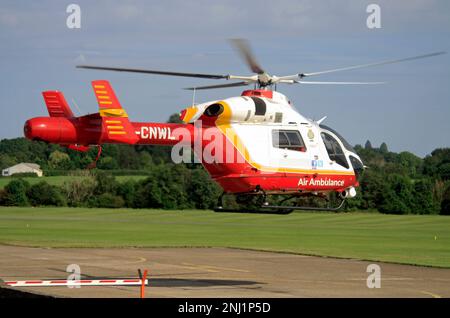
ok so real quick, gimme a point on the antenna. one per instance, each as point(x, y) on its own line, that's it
point(76, 106)
point(321, 120)
point(193, 97)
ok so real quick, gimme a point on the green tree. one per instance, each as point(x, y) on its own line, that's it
point(411, 164)
point(108, 163)
point(59, 160)
point(371, 187)
point(105, 183)
point(175, 119)
point(397, 195)
point(145, 160)
point(445, 204)
point(436, 164)
point(127, 157)
point(6, 161)
point(127, 190)
point(423, 199)
point(444, 170)
point(165, 188)
point(384, 148)
point(202, 190)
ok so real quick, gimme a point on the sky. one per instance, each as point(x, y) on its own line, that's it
point(410, 112)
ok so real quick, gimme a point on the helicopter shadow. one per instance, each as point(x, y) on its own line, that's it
point(184, 282)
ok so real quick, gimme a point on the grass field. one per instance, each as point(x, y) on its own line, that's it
point(422, 240)
point(59, 180)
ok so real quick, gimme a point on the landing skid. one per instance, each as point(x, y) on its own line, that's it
point(266, 208)
point(275, 210)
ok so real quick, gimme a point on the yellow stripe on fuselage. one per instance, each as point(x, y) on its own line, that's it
point(117, 132)
point(190, 113)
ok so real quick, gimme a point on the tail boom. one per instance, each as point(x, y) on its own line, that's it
point(109, 126)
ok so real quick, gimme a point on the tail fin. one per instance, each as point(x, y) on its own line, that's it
point(114, 117)
point(56, 104)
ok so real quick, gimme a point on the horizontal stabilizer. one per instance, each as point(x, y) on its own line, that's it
point(56, 104)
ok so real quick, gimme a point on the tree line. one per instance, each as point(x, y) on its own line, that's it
point(166, 186)
point(399, 183)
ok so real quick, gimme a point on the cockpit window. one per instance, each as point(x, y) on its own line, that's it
point(334, 149)
point(288, 139)
point(344, 142)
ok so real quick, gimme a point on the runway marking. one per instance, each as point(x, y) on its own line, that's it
point(385, 279)
point(430, 294)
point(140, 260)
point(217, 268)
point(198, 267)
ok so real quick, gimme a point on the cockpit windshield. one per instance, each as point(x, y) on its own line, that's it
point(344, 142)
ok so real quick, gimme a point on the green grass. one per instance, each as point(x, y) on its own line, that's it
point(421, 240)
point(59, 180)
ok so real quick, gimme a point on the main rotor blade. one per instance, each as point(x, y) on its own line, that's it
point(218, 86)
point(245, 51)
point(339, 83)
point(144, 71)
point(301, 75)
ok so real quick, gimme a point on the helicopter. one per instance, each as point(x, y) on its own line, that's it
point(256, 146)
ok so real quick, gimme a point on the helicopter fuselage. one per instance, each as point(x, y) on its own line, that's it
point(254, 142)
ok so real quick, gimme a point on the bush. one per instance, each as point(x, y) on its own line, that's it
point(107, 200)
point(25, 175)
point(43, 193)
point(3, 197)
point(79, 191)
point(15, 193)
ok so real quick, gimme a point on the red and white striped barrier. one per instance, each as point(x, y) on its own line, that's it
point(83, 282)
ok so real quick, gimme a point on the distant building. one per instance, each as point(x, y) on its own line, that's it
point(23, 168)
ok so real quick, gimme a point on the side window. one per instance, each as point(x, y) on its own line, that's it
point(288, 139)
point(334, 150)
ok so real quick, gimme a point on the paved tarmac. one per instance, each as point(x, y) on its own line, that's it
point(217, 272)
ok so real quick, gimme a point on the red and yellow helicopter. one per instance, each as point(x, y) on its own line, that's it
point(254, 146)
